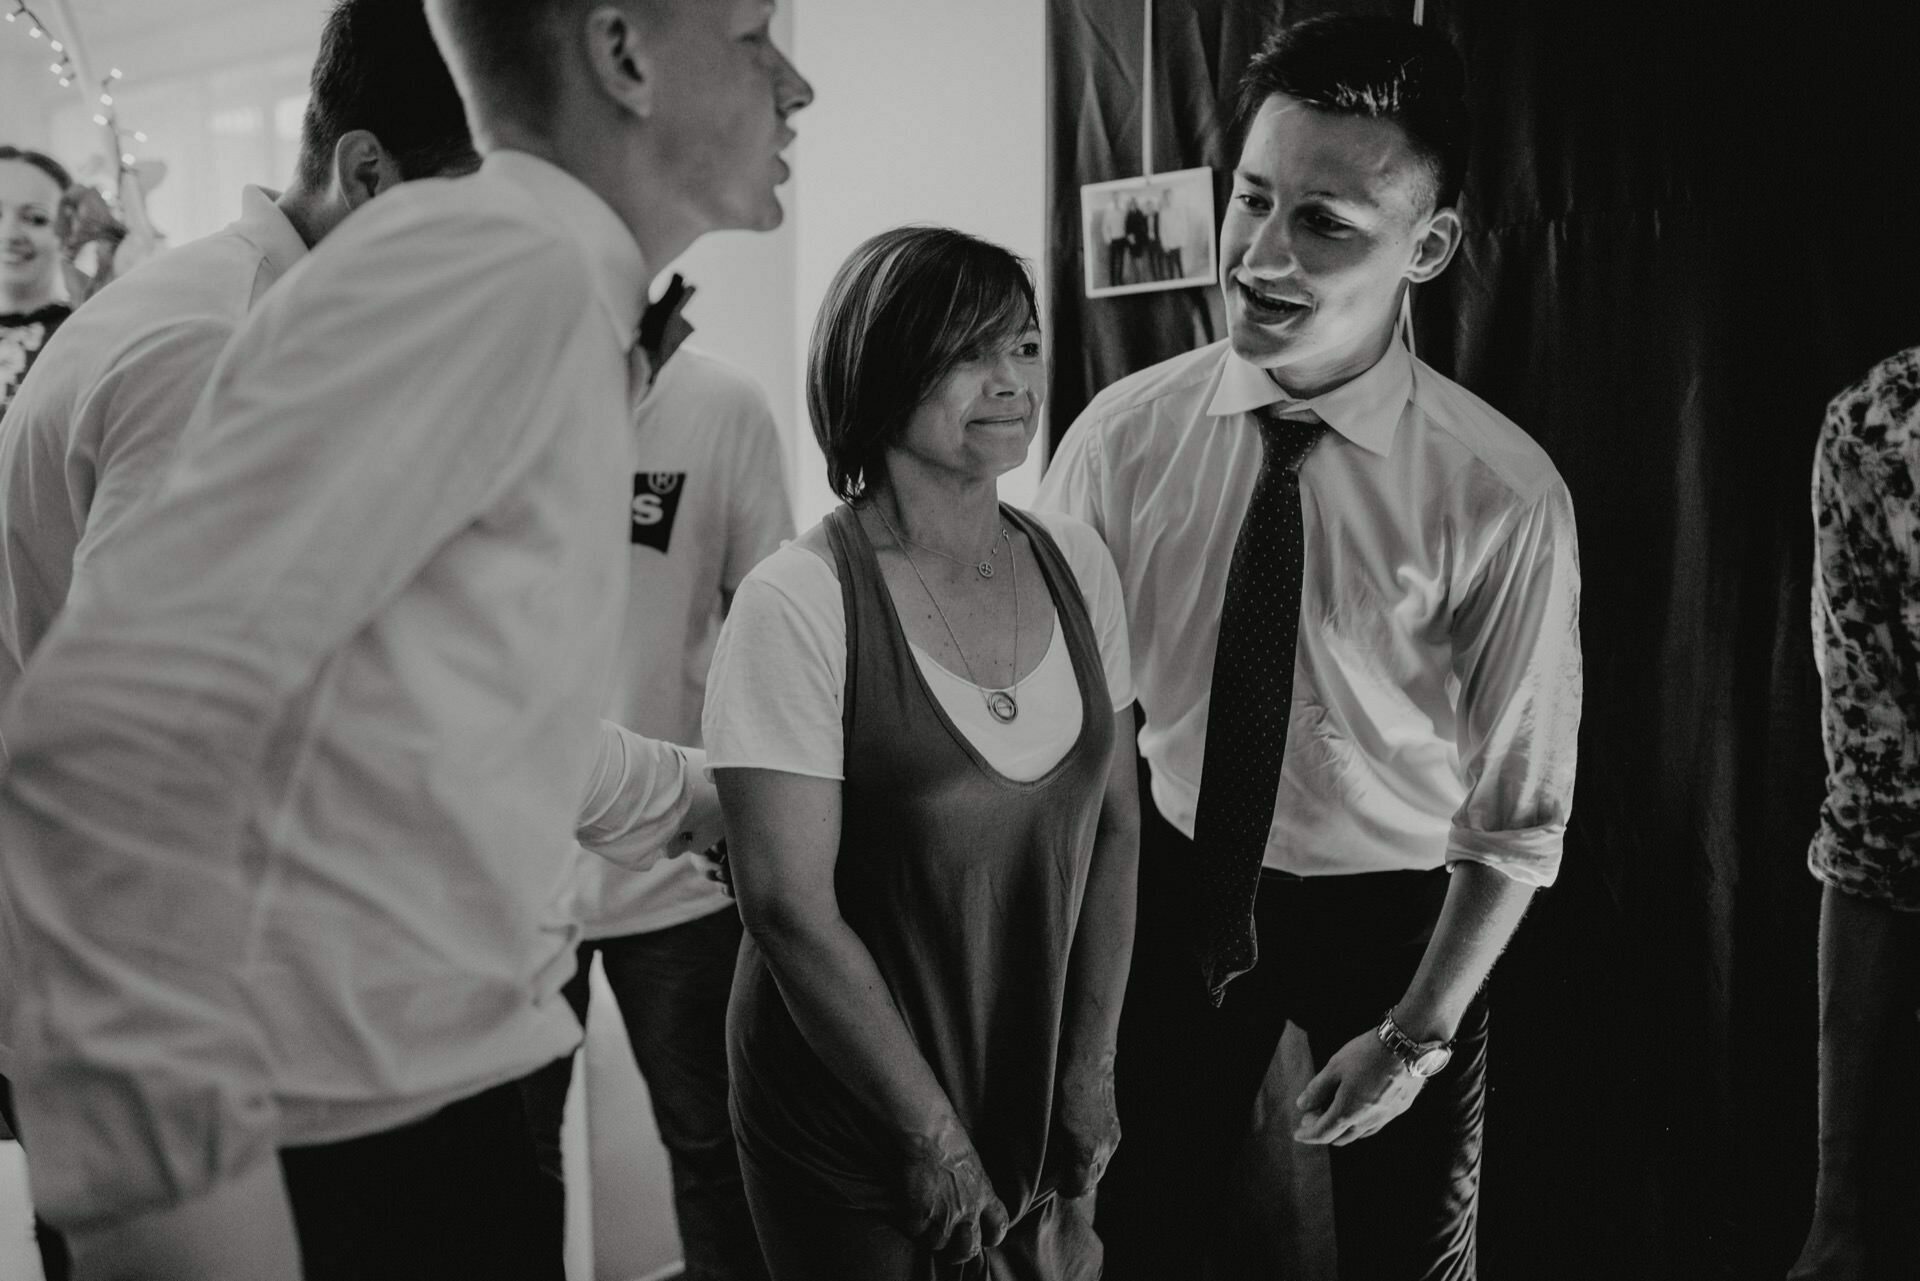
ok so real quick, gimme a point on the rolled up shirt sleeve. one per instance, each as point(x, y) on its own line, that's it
point(317, 477)
point(1517, 658)
point(1866, 625)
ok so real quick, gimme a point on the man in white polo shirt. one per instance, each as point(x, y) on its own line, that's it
point(709, 503)
point(1354, 594)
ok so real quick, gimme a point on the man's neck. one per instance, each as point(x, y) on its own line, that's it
point(312, 214)
point(1306, 385)
point(590, 155)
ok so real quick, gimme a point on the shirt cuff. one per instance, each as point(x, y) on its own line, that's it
point(1529, 855)
point(1890, 878)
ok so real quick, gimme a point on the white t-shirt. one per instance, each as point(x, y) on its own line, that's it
point(774, 696)
point(709, 502)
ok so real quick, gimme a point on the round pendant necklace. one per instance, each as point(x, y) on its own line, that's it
point(1001, 703)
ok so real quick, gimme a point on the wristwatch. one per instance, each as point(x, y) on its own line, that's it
point(1421, 1058)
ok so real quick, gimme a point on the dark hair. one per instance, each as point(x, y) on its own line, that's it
point(379, 70)
point(43, 162)
point(903, 312)
point(1380, 68)
point(505, 52)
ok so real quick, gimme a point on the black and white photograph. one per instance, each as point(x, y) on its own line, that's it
point(959, 640)
point(1142, 234)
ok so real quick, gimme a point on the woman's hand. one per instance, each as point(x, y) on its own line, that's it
point(950, 1202)
point(1089, 1122)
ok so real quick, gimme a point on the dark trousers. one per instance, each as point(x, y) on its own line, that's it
point(55, 1262)
point(1335, 953)
point(1116, 262)
point(450, 1198)
point(672, 986)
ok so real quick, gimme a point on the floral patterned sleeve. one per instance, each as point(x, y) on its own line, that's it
point(1866, 624)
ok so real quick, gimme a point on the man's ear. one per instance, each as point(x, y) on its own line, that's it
point(1434, 247)
point(620, 55)
point(362, 168)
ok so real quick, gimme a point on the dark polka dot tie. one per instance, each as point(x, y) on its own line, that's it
point(1251, 697)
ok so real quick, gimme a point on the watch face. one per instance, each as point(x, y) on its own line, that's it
point(1432, 1062)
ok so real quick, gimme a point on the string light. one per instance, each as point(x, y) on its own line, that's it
point(66, 73)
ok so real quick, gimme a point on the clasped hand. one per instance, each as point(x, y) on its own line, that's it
point(1362, 1087)
point(950, 1202)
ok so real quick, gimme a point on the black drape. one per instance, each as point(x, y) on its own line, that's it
point(1688, 226)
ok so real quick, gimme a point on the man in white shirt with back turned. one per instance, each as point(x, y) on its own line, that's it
point(297, 770)
point(709, 503)
point(1353, 592)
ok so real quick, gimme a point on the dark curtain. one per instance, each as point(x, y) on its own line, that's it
point(1688, 226)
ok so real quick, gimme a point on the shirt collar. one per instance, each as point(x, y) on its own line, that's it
point(1366, 410)
point(620, 272)
point(262, 225)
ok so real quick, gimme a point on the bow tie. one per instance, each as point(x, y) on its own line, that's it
point(662, 327)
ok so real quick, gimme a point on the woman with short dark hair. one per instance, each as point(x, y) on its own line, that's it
point(920, 722)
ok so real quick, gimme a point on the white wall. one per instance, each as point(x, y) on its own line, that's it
point(928, 111)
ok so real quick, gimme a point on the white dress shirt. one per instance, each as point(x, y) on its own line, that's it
point(1436, 689)
point(709, 503)
point(288, 825)
point(99, 416)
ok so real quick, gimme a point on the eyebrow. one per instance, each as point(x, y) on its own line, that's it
point(1332, 197)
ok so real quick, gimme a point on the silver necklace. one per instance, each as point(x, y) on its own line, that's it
point(984, 568)
point(1001, 704)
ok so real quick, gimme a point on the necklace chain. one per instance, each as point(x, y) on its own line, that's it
point(1001, 703)
point(984, 568)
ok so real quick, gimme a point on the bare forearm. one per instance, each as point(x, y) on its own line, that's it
point(840, 1003)
point(1869, 981)
point(1483, 908)
point(1102, 948)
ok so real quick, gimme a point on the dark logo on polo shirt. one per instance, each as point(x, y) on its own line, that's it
point(656, 501)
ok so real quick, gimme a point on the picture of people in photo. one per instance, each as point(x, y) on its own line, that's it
point(1148, 233)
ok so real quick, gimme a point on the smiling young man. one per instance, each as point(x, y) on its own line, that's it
point(297, 772)
point(1353, 592)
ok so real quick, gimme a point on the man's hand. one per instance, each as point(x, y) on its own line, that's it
point(1362, 1087)
point(1089, 1121)
point(950, 1202)
point(722, 871)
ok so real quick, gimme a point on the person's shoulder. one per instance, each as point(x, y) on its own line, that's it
point(1078, 541)
point(1882, 410)
point(801, 568)
point(1139, 393)
point(476, 228)
point(694, 376)
point(1493, 439)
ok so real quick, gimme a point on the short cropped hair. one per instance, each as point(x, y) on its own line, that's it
point(379, 70)
point(506, 53)
point(1377, 67)
point(43, 162)
point(903, 312)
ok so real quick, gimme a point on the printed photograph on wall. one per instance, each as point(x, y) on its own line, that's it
point(1140, 234)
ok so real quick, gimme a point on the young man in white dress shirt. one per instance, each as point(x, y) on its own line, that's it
point(296, 771)
point(1419, 773)
point(709, 503)
point(90, 434)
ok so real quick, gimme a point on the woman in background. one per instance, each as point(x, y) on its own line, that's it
point(33, 191)
point(919, 720)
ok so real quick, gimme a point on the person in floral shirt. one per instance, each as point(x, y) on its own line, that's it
point(1866, 624)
